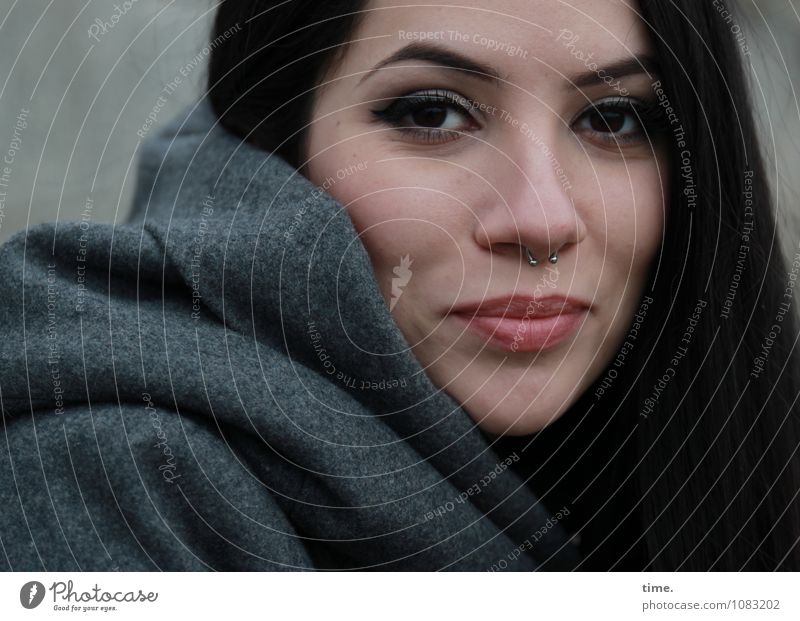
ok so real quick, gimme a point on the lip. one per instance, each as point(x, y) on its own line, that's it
point(522, 323)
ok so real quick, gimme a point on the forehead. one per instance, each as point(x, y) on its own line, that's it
point(517, 36)
point(610, 15)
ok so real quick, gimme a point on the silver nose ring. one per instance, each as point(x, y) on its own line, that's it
point(553, 258)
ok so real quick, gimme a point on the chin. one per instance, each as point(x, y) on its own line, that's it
point(505, 420)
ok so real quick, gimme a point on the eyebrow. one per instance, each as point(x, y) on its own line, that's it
point(617, 69)
point(451, 59)
point(441, 56)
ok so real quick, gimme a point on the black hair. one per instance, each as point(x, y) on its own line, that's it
point(683, 454)
point(262, 82)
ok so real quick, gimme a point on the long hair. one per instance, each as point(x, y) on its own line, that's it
point(720, 451)
point(684, 452)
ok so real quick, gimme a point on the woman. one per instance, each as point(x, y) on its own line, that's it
point(573, 374)
point(710, 456)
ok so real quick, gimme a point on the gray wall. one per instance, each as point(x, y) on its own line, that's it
point(773, 28)
point(87, 96)
point(86, 99)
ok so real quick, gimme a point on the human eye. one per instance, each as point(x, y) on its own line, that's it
point(621, 121)
point(430, 116)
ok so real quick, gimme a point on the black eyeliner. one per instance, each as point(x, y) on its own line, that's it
point(406, 104)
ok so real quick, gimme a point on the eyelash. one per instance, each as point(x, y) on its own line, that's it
point(401, 107)
point(648, 114)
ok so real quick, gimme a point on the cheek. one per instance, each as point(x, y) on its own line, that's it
point(630, 218)
point(394, 215)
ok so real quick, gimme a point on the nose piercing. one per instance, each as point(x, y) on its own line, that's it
point(553, 258)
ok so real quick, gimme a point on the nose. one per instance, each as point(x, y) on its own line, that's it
point(532, 207)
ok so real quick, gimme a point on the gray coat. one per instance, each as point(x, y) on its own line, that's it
point(218, 384)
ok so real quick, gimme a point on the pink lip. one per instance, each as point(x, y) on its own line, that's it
point(521, 323)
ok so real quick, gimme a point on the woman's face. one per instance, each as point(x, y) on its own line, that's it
point(459, 136)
